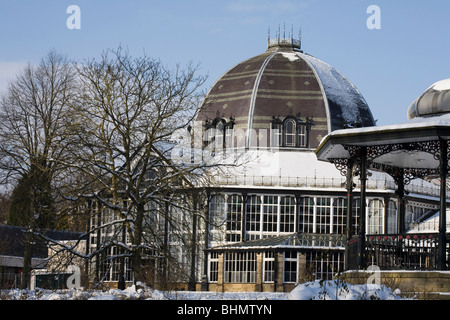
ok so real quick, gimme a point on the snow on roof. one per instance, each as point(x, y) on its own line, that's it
point(339, 90)
point(292, 56)
point(441, 85)
point(434, 100)
point(415, 123)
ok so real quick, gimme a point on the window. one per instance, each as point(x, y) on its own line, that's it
point(339, 215)
point(229, 136)
point(356, 209)
point(413, 213)
point(289, 133)
point(253, 213)
point(270, 213)
point(323, 215)
point(287, 214)
point(213, 267)
point(376, 209)
point(240, 267)
point(392, 217)
point(269, 266)
point(290, 266)
point(219, 137)
point(302, 136)
point(306, 215)
point(110, 265)
point(277, 134)
point(217, 211)
point(234, 214)
point(324, 265)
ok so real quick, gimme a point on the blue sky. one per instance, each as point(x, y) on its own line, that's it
point(391, 66)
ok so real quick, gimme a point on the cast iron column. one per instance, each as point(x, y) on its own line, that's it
point(349, 182)
point(442, 241)
point(362, 217)
point(401, 201)
point(349, 226)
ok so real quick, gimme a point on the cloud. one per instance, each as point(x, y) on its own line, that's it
point(8, 72)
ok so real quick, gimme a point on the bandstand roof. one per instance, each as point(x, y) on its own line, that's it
point(407, 145)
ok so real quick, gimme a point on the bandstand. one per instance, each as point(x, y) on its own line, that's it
point(418, 148)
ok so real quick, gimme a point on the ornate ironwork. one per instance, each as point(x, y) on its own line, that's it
point(432, 147)
point(373, 152)
point(404, 251)
point(407, 174)
point(341, 165)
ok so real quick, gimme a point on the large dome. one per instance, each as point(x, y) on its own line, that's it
point(284, 83)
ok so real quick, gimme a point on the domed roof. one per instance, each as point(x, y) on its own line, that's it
point(435, 100)
point(285, 82)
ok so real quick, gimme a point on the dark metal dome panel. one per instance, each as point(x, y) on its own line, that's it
point(283, 82)
point(289, 87)
point(346, 105)
point(230, 96)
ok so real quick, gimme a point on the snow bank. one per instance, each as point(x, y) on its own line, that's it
point(338, 290)
point(317, 290)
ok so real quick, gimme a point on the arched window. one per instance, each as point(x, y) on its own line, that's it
point(376, 210)
point(219, 134)
point(289, 133)
point(392, 217)
point(219, 140)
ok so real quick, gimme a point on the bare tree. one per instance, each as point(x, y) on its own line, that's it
point(126, 112)
point(34, 113)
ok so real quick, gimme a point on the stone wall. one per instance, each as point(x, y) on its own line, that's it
point(421, 284)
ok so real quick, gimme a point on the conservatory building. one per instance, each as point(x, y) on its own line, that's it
point(293, 199)
point(277, 215)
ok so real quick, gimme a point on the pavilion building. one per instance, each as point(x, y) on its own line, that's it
point(278, 215)
point(308, 185)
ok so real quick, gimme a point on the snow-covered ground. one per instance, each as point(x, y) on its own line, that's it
point(318, 290)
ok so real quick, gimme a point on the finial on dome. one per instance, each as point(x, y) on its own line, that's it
point(279, 41)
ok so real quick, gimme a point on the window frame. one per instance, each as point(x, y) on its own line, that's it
point(240, 267)
point(290, 275)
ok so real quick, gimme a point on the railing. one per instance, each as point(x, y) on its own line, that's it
point(284, 41)
point(409, 251)
point(336, 241)
point(421, 187)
